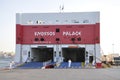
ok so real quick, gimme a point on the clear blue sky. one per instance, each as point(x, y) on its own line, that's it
point(109, 18)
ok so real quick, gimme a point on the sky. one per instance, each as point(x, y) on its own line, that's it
point(109, 19)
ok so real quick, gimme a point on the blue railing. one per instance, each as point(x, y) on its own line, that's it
point(73, 65)
point(32, 65)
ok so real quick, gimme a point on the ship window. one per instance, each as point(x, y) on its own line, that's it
point(57, 20)
point(57, 39)
point(72, 39)
point(42, 39)
point(36, 39)
point(85, 21)
point(57, 30)
point(59, 54)
point(55, 53)
point(79, 39)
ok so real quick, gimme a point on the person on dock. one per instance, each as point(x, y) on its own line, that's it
point(69, 63)
point(11, 65)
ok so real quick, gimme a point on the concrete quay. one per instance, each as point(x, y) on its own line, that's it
point(61, 74)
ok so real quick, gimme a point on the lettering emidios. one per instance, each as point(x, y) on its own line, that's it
point(64, 33)
point(44, 33)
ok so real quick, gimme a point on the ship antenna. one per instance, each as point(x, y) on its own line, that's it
point(61, 8)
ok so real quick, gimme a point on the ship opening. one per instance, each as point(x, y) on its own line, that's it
point(42, 54)
point(75, 54)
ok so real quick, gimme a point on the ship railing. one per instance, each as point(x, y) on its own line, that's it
point(47, 62)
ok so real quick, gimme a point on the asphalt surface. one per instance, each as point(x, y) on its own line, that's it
point(61, 74)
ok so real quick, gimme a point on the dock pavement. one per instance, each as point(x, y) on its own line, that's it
point(61, 74)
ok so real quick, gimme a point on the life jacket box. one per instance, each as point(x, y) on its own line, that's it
point(98, 65)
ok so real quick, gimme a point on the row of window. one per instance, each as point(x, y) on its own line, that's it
point(58, 39)
point(72, 21)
